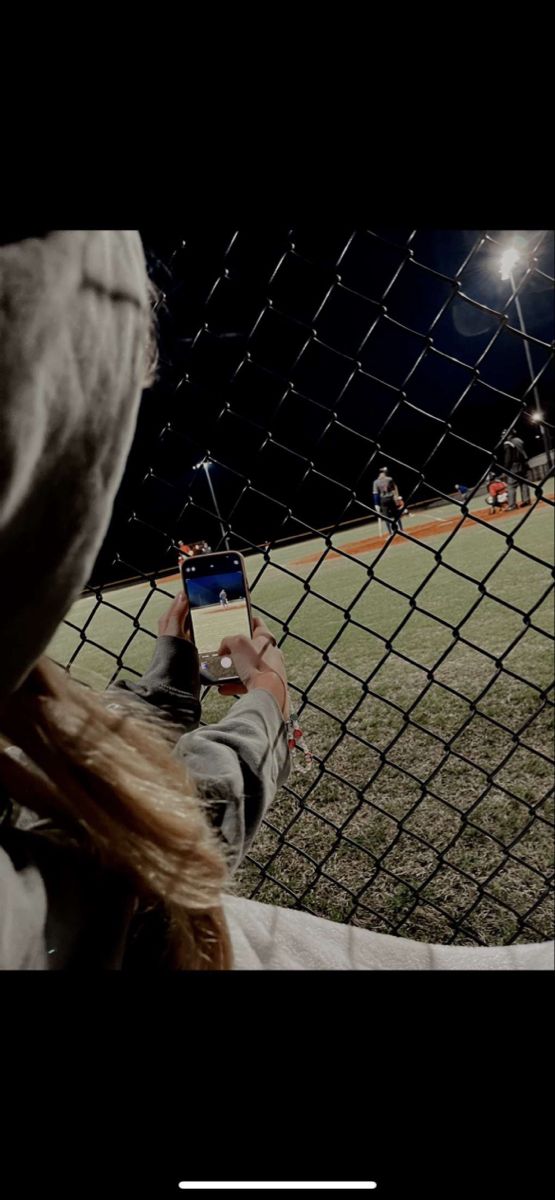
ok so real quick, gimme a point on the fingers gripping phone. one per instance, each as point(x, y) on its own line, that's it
point(220, 607)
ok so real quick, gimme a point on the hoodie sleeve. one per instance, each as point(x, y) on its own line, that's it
point(171, 683)
point(238, 763)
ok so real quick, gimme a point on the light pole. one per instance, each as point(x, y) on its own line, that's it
point(206, 465)
point(508, 262)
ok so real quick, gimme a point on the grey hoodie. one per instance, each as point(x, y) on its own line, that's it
point(73, 315)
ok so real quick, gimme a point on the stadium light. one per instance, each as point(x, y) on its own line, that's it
point(508, 261)
point(536, 416)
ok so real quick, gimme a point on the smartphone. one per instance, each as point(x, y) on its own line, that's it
point(219, 603)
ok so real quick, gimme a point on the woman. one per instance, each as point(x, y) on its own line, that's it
point(109, 853)
point(120, 819)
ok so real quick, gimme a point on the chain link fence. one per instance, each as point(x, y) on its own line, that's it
point(295, 364)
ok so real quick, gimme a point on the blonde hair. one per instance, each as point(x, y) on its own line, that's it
point(109, 780)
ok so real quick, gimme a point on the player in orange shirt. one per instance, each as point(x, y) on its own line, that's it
point(497, 494)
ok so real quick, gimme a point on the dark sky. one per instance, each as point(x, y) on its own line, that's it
point(265, 334)
point(206, 589)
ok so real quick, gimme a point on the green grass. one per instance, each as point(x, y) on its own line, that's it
point(430, 843)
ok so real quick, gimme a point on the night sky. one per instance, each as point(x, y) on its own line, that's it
point(206, 588)
point(265, 334)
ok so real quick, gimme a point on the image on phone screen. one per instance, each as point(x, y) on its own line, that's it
point(219, 609)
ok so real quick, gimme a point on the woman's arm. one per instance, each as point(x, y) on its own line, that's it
point(238, 763)
point(172, 682)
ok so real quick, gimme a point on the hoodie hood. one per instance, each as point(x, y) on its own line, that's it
point(74, 313)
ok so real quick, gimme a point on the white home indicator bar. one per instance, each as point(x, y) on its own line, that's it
point(250, 1186)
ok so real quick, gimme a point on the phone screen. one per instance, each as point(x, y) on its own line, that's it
point(218, 604)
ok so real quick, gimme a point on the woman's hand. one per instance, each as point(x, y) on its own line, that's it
point(259, 664)
point(176, 621)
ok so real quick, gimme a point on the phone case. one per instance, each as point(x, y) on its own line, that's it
point(212, 671)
